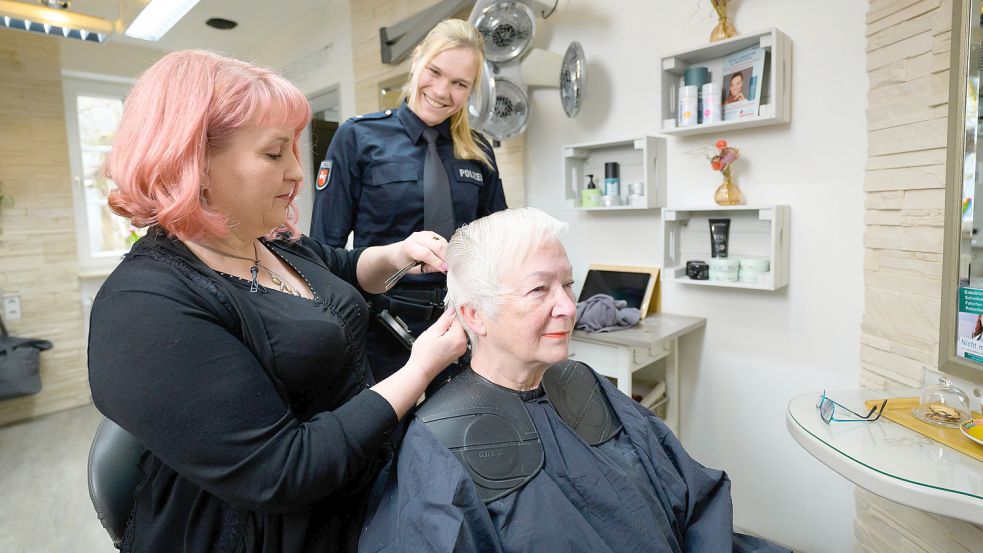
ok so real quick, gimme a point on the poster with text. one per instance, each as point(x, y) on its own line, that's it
point(969, 330)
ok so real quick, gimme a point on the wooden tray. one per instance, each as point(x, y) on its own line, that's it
point(899, 411)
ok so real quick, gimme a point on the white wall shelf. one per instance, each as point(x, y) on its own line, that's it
point(755, 231)
point(641, 159)
point(775, 106)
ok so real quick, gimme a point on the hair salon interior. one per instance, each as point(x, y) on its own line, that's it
point(789, 186)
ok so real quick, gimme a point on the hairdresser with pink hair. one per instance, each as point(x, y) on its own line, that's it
point(228, 344)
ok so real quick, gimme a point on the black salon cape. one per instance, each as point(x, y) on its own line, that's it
point(638, 492)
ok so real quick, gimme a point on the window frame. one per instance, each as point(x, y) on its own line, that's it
point(98, 86)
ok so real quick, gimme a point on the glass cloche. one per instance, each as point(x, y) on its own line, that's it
point(942, 404)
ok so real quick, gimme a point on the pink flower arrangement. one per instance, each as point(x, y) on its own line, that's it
point(721, 157)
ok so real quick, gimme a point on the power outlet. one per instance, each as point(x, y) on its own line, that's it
point(11, 307)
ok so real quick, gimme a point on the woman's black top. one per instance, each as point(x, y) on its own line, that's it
point(260, 431)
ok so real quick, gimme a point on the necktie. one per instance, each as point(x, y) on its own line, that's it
point(438, 211)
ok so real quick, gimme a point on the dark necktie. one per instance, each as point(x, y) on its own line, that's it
point(438, 210)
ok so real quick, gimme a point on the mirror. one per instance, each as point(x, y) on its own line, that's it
point(961, 329)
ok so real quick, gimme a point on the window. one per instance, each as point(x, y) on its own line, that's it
point(93, 110)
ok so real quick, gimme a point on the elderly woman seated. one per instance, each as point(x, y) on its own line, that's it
point(526, 450)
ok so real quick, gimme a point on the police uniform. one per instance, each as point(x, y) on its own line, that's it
point(371, 182)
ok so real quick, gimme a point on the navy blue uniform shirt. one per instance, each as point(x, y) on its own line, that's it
point(374, 184)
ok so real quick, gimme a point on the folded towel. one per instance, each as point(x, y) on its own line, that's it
point(603, 313)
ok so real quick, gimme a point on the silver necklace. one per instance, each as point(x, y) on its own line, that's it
point(277, 280)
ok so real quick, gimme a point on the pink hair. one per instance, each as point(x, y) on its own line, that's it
point(184, 106)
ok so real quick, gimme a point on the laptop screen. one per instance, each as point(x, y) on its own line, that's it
point(621, 285)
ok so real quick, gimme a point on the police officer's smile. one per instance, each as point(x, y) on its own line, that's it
point(444, 85)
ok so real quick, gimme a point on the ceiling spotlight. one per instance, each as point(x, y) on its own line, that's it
point(38, 18)
point(57, 4)
point(223, 24)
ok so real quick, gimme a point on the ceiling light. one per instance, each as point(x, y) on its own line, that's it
point(48, 21)
point(158, 18)
point(57, 4)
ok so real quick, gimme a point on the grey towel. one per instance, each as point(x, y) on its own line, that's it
point(602, 313)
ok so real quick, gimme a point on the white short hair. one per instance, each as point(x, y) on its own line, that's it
point(479, 252)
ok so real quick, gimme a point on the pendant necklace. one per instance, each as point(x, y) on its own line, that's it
point(278, 281)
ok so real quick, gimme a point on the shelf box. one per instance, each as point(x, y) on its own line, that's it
point(641, 159)
point(755, 231)
point(775, 106)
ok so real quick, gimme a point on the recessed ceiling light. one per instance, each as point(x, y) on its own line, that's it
point(158, 18)
point(58, 4)
point(223, 24)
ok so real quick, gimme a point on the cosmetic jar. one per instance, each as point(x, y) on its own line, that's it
point(610, 201)
point(723, 276)
point(697, 270)
point(750, 277)
point(724, 264)
point(756, 264)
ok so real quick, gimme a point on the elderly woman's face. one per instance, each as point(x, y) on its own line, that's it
point(535, 319)
point(254, 176)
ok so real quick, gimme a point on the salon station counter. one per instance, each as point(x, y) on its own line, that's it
point(623, 353)
point(888, 459)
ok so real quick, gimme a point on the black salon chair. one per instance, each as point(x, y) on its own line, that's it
point(114, 474)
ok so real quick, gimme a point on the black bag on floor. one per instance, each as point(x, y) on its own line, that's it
point(20, 361)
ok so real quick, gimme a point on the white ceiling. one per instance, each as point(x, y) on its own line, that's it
point(255, 18)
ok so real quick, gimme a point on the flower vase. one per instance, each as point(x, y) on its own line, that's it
point(723, 30)
point(728, 193)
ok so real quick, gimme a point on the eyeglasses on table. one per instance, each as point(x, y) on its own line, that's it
point(827, 411)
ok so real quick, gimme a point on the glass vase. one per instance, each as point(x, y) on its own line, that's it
point(723, 30)
point(728, 193)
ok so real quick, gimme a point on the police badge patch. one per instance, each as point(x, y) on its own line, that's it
point(324, 175)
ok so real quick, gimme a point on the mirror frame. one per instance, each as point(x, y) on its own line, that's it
point(965, 45)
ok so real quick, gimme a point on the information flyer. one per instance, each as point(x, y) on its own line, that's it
point(969, 333)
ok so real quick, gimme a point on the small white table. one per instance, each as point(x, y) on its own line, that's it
point(619, 354)
point(888, 459)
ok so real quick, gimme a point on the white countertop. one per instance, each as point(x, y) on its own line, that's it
point(888, 459)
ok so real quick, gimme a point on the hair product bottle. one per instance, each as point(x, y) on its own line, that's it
point(590, 196)
point(612, 179)
point(711, 98)
point(689, 105)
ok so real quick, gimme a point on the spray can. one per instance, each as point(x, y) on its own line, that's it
point(612, 179)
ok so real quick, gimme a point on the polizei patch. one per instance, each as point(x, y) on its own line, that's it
point(470, 174)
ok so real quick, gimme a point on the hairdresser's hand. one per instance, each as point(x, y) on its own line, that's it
point(438, 346)
point(428, 248)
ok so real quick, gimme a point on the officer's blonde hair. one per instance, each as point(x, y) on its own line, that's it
point(447, 35)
